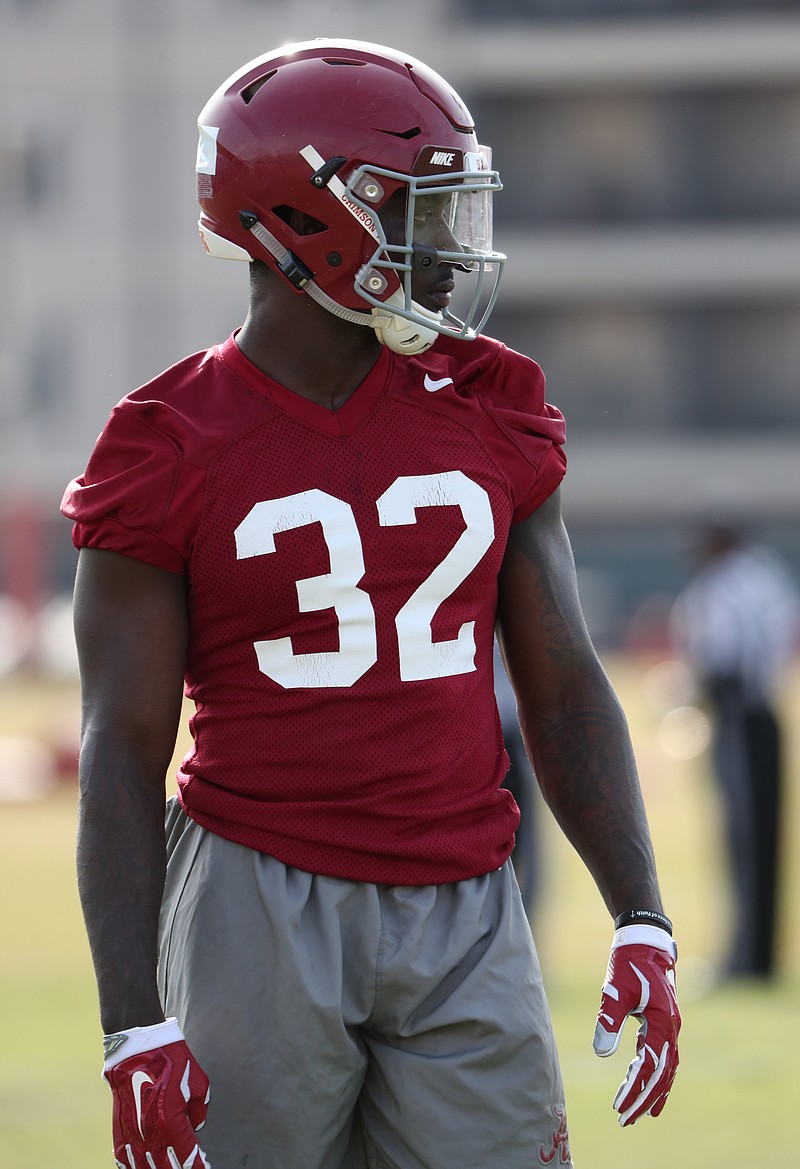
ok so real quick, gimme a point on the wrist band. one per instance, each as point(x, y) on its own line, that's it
point(643, 917)
point(137, 1040)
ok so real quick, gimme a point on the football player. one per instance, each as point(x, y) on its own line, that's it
point(316, 527)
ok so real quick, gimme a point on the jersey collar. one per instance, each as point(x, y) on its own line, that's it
point(333, 422)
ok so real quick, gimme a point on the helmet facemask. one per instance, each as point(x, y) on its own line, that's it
point(447, 221)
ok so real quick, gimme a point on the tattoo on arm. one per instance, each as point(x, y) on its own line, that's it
point(574, 727)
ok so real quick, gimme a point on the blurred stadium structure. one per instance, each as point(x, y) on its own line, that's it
point(651, 155)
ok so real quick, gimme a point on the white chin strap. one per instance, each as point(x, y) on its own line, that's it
point(395, 332)
point(401, 335)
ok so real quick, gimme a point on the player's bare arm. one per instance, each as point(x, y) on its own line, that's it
point(577, 737)
point(130, 622)
point(574, 728)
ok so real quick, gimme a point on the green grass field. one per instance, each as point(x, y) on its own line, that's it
point(735, 1103)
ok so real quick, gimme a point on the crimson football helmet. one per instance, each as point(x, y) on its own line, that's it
point(332, 130)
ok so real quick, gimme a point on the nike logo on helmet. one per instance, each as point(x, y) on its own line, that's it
point(138, 1081)
point(434, 384)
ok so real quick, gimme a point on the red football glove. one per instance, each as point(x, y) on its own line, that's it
point(640, 981)
point(160, 1098)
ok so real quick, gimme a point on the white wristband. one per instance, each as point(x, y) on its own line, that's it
point(645, 935)
point(123, 1044)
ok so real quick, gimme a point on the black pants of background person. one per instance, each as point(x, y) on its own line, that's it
point(747, 762)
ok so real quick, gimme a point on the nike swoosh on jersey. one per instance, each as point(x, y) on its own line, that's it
point(434, 384)
point(138, 1081)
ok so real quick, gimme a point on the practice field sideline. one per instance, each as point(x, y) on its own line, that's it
point(735, 1100)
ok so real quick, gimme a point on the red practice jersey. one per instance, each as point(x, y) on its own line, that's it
point(342, 582)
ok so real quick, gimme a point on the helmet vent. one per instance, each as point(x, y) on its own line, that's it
point(250, 91)
point(342, 61)
point(412, 133)
point(300, 222)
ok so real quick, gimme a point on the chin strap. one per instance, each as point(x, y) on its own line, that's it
point(395, 332)
point(399, 333)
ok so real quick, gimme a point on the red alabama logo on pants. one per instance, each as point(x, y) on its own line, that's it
point(560, 1140)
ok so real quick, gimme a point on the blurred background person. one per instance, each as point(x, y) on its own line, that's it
point(736, 626)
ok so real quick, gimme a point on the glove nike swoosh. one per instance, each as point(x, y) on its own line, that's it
point(138, 1081)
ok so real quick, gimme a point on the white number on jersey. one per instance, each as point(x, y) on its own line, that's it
point(420, 656)
point(337, 589)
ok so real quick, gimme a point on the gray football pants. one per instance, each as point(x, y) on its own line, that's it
point(353, 1026)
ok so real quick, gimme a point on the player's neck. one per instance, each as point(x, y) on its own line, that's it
point(307, 350)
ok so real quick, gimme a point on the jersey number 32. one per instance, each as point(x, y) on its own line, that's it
point(420, 656)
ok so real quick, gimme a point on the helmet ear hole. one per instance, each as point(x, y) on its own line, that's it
point(300, 222)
